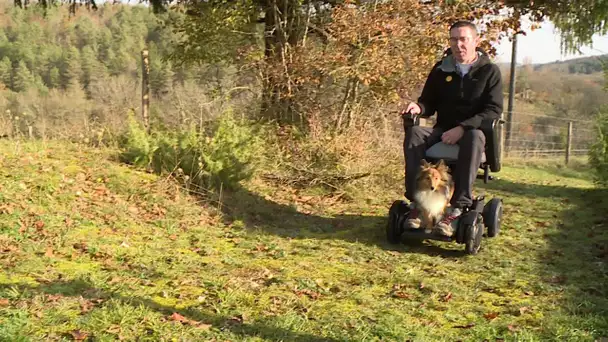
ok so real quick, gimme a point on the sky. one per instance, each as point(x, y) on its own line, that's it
point(542, 46)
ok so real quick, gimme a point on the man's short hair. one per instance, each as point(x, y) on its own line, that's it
point(464, 23)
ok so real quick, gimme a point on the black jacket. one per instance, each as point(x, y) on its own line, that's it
point(464, 101)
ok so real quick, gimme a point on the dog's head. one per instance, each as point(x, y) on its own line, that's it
point(432, 176)
point(443, 169)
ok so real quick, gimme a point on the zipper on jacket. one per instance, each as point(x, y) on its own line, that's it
point(462, 86)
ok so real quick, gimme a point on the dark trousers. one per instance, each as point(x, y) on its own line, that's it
point(472, 144)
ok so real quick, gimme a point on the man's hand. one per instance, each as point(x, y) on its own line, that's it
point(412, 108)
point(452, 136)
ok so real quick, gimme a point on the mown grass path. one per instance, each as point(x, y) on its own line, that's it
point(94, 250)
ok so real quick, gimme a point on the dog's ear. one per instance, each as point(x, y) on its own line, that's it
point(442, 166)
point(424, 164)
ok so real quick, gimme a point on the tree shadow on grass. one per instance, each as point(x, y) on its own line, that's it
point(77, 288)
point(269, 217)
point(528, 190)
point(575, 262)
point(265, 215)
point(578, 259)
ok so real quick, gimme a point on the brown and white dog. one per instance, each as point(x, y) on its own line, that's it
point(434, 190)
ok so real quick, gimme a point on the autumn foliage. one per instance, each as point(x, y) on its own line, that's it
point(366, 59)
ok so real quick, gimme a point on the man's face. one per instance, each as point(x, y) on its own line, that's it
point(463, 41)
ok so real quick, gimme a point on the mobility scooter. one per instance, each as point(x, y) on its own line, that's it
point(481, 215)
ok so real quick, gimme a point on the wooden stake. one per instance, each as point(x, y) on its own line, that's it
point(145, 89)
point(569, 143)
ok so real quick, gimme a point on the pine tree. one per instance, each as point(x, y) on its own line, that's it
point(22, 77)
point(71, 73)
point(161, 76)
point(88, 60)
point(118, 62)
point(97, 78)
point(54, 80)
point(5, 71)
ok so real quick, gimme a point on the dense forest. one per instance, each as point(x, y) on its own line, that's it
point(59, 52)
point(71, 76)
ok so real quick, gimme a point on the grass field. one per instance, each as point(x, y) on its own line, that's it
point(94, 250)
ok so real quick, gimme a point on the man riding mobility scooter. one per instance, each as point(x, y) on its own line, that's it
point(465, 90)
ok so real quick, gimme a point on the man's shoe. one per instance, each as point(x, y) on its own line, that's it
point(413, 221)
point(447, 226)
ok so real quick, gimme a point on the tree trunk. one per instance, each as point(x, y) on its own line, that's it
point(344, 106)
point(354, 103)
point(282, 32)
point(145, 89)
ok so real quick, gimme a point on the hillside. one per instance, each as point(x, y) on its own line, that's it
point(94, 249)
point(547, 96)
point(583, 65)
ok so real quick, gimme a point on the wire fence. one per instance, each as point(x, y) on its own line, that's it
point(537, 135)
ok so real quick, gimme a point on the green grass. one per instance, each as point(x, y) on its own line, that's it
point(92, 249)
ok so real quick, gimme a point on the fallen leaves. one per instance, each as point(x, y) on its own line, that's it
point(116, 329)
point(4, 302)
point(524, 309)
point(39, 224)
point(543, 224)
point(7, 208)
point(261, 248)
point(491, 316)
point(398, 291)
point(81, 246)
point(447, 297)
point(401, 294)
point(78, 335)
point(238, 319)
point(600, 250)
point(87, 305)
point(53, 298)
point(9, 249)
point(176, 317)
point(307, 292)
point(557, 279)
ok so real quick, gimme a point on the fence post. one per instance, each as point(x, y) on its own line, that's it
point(145, 90)
point(509, 123)
point(569, 142)
point(501, 132)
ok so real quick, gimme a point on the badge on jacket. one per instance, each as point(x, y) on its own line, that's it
point(448, 79)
